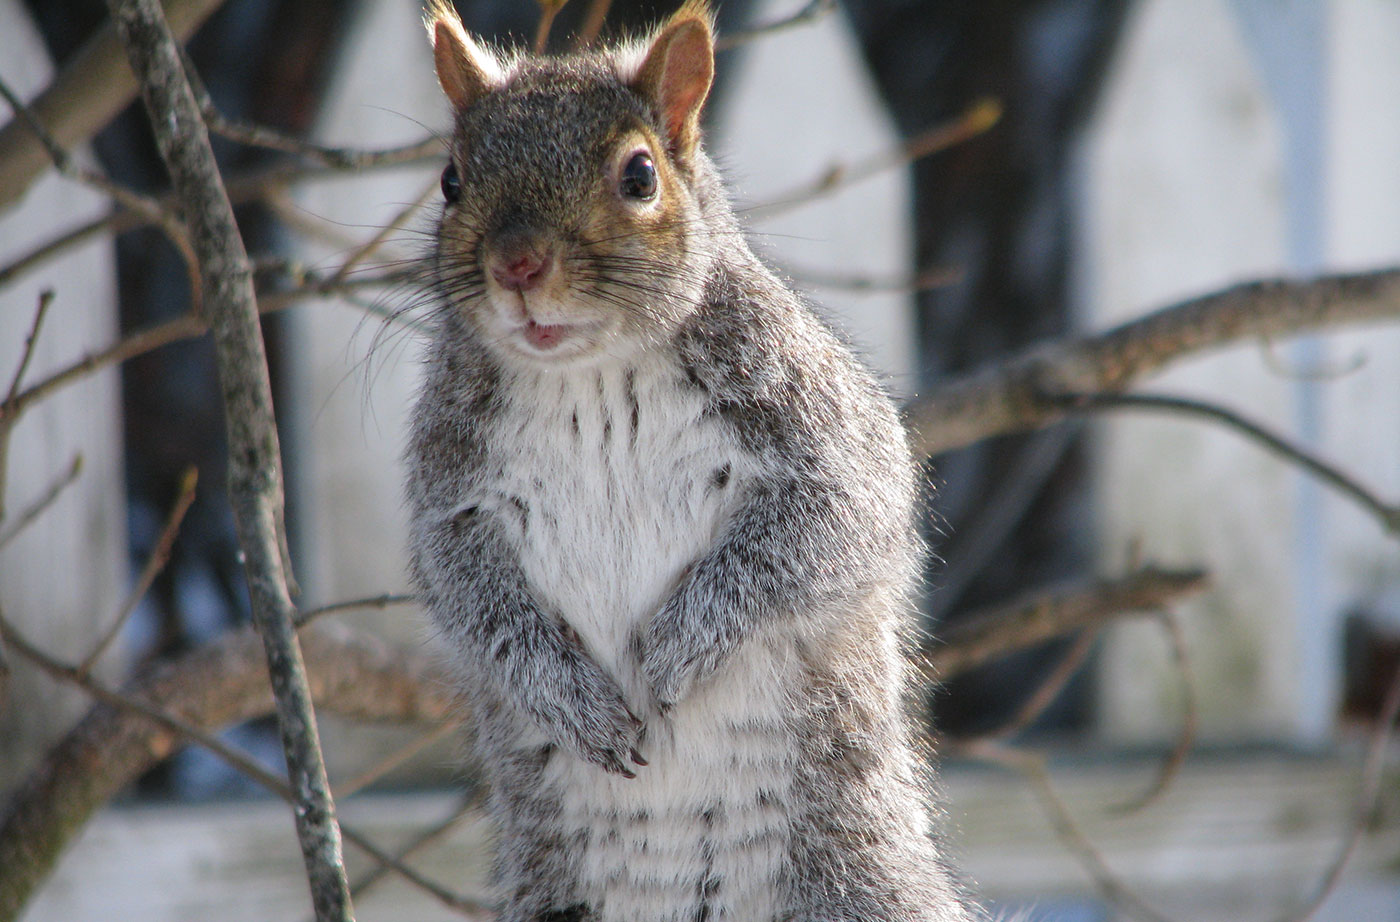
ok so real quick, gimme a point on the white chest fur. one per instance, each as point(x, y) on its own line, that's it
point(616, 482)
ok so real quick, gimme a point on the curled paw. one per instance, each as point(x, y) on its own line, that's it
point(600, 727)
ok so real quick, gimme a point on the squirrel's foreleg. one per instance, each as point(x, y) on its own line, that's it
point(521, 650)
point(792, 544)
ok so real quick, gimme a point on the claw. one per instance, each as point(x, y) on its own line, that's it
point(637, 757)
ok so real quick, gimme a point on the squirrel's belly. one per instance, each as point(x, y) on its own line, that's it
point(625, 483)
point(703, 830)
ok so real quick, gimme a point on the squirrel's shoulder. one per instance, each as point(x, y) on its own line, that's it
point(777, 369)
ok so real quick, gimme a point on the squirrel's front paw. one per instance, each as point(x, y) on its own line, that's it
point(669, 660)
point(602, 730)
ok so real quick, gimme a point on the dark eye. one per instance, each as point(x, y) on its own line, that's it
point(451, 183)
point(639, 177)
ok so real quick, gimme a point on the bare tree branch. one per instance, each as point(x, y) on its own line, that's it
point(351, 673)
point(186, 326)
point(149, 208)
point(548, 10)
point(255, 474)
point(396, 759)
point(65, 241)
point(341, 158)
point(593, 21)
point(94, 85)
point(379, 601)
point(7, 425)
point(1045, 614)
point(428, 836)
point(237, 760)
point(1050, 688)
point(1190, 720)
point(30, 341)
point(868, 284)
point(1018, 393)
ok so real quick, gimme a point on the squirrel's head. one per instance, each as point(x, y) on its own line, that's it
point(574, 203)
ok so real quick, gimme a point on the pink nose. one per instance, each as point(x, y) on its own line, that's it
point(521, 271)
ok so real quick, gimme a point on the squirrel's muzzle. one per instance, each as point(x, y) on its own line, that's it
point(519, 261)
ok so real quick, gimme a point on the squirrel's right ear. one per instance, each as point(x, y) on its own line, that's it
point(466, 70)
point(677, 71)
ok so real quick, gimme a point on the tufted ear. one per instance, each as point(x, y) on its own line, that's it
point(676, 73)
point(466, 70)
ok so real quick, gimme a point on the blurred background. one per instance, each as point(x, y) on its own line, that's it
point(1148, 151)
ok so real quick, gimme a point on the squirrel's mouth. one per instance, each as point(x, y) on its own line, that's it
point(527, 331)
point(545, 336)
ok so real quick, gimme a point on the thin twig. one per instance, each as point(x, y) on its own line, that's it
point(64, 163)
point(394, 760)
point(979, 118)
point(1066, 827)
point(812, 11)
point(254, 468)
point(367, 249)
point(378, 601)
point(1050, 687)
point(1190, 721)
point(593, 21)
point(186, 326)
point(218, 684)
point(985, 533)
point(63, 242)
point(7, 423)
point(1386, 513)
point(455, 901)
point(341, 158)
point(468, 803)
point(28, 516)
point(257, 186)
point(548, 10)
point(1372, 773)
point(155, 563)
point(149, 208)
point(30, 341)
point(867, 284)
point(94, 85)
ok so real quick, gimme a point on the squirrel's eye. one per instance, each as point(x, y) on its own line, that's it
point(451, 183)
point(639, 177)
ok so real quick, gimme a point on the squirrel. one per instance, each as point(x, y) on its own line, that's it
point(665, 520)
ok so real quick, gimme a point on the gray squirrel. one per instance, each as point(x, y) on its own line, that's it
point(664, 518)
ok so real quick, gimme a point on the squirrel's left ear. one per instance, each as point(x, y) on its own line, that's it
point(676, 73)
point(466, 70)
